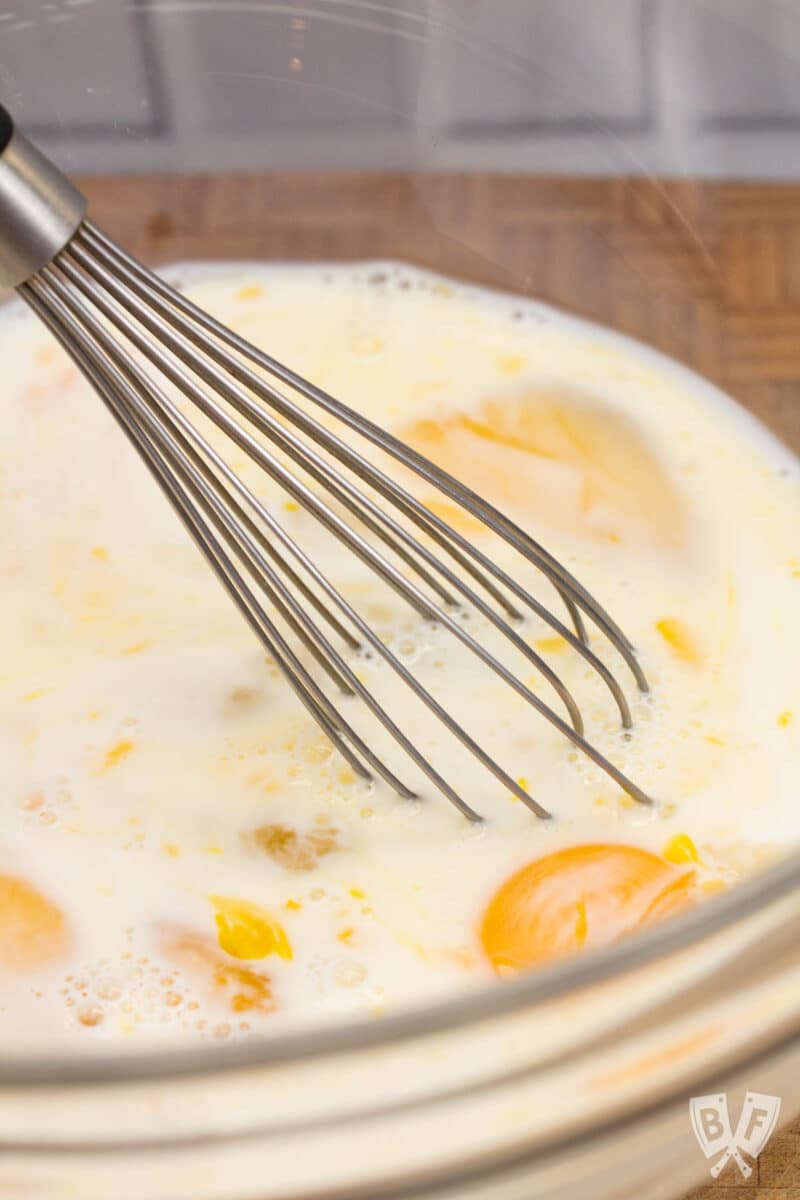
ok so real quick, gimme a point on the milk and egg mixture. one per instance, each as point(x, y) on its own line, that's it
point(181, 851)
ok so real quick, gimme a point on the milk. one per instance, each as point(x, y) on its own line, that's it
point(158, 769)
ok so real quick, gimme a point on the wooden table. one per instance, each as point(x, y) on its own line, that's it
point(708, 272)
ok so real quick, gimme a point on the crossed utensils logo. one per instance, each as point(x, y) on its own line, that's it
point(712, 1128)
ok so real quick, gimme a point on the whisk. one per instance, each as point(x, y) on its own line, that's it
point(139, 341)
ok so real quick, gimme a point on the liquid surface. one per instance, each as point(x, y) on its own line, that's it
point(182, 854)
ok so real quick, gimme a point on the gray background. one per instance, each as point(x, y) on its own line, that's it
point(682, 87)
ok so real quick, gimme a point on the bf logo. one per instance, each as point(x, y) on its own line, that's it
point(712, 1128)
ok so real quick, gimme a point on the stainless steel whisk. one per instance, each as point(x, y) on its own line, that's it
point(129, 333)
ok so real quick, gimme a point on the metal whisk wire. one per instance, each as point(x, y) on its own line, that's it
point(130, 333)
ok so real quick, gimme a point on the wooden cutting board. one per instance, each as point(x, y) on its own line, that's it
point(707, 272)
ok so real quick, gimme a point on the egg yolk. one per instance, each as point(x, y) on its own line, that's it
point(577, 463)
point(33, 930)
point(580, 897)
point(245, 930)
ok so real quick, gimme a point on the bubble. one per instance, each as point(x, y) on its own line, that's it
point(474, 831)
point(107, 989)
point(349, 973)
point(318, 752)
point(90, 1015)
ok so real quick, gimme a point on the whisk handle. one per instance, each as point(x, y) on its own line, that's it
point(39, 208)
point(6, 128)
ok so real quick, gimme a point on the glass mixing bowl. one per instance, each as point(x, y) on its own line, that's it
point(525, 144)
point(572, 1083)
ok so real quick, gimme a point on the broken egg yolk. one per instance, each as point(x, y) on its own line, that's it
point(680, 639)
point(292, 850)
point(581, 897)
point(246, 930)
point(243, 989)
point(568, 459)
point(33, 930)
